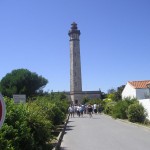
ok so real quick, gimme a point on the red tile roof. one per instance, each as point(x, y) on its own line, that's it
point(139, 84)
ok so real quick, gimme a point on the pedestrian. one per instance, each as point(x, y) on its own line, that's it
point(85, 109)
point(73, 110)
point(82, 110)
point(95, 108)
point(90, 110)
point(70, 110)
point(78, 110)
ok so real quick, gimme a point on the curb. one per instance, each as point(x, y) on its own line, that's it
point(135, 124)
point(128, 122)
point(60, 136)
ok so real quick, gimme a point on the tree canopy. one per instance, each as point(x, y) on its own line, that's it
point(115, 95)
point(21, 81)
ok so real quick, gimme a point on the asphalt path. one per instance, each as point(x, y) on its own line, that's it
point(101, 132)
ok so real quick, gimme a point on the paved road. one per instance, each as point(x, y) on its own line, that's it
point(104, 133)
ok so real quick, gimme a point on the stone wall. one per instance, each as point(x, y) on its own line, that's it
point(84, 94)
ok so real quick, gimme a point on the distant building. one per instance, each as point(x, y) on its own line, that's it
point(139, 90)
point(76, 94)
point(136, 89)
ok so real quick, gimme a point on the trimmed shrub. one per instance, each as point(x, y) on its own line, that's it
point(15, 134)
point(40, 126)
point(120, 109)
point(85, 100)
point(54, 110)
point(109, 108)
point(26, 127)
point(136, 113)
point(30, 125)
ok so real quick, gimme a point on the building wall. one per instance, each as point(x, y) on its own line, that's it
point(140, 94)
point(128, 91)
point(80, 96)
point(76, 98)
point(146, 105)
point(91, 96)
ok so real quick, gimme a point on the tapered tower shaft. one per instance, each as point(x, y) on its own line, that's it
point(75, 64)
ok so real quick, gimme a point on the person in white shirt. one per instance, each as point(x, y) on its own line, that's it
point(78, 110)
point(95, 108)
point(70, 110)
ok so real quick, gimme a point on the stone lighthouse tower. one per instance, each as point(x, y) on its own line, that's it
point(75, 65)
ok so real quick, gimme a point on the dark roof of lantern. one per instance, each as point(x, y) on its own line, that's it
point(74, 29)
point(74, 26)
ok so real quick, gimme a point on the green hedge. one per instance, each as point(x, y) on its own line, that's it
point(136, 113)
point(121, 108)
point(40, 126)
point(15, 134)
point(29, 126)
point(109, 106)
point(126, 109)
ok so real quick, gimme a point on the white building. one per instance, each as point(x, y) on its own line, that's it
point(139, 90)
point(136, 89)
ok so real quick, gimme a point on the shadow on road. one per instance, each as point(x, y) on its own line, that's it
point(68, 128)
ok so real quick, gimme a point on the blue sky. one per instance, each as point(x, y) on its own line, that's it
point(114, 41)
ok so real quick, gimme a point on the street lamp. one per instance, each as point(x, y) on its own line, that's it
point(148, 86)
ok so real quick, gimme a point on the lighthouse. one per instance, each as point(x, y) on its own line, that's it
point(75, 65)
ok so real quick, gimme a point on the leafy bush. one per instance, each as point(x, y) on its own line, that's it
point(15, 133)
point(130, 100)
point(63, 106)
point(30, 125)
point(109, 108)
point(136, 113)
point(111, 96)
point(85, 100)
point(45, 113)
point(55, 115)
point(120, 109)
point(55, 109)
point(40, 126)
point(95, 101)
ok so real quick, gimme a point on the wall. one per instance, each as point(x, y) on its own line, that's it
point(146, 105)
point(81, 95)
point(128, 91)
point(91, 96)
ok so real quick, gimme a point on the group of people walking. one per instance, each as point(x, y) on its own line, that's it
point(79, 110)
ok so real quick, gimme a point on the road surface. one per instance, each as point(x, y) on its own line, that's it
point(101, 132)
